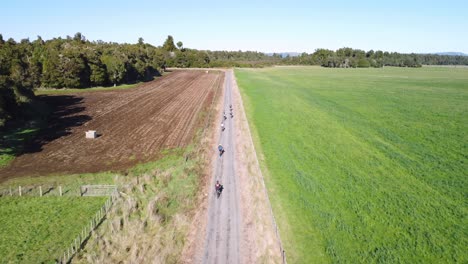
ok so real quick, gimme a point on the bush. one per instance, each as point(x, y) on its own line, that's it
point(363, 63)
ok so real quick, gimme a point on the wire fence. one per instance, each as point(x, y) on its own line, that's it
point(58, 190)
point(79, 242)
point(38, 190)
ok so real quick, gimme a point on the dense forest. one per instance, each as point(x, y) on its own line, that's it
point(75, 62)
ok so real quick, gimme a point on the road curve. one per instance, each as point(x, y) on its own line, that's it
point(222, 243)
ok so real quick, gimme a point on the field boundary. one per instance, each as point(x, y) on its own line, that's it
point(257, 163)
point(97, 190)
point(80, 241)
point(36, 190)
point(57, 190)
point(218, 80)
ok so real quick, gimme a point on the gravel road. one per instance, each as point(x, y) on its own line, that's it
point(222, 244)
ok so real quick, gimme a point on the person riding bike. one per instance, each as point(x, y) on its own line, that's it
point(219, 188)
point(221, 149)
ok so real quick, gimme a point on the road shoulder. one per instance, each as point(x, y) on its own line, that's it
point(259, 242)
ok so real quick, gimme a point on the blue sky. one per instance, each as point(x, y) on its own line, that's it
point(268, 26)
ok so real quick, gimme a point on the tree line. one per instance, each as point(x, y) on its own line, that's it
point(353, 58)
point(75, 62)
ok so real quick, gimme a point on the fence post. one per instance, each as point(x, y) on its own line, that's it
point(19, 189)
point(60, 190)
point(11, 194)
point(40, 191)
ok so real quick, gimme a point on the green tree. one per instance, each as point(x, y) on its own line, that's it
point(76, 72)
point(115, 64)
point(79, 37)
point(169, 44)
point(363, 63)
point(51, 72)
point(98, 75)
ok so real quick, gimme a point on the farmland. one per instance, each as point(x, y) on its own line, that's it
point(363, 165)
point(134, 126)
point(39, 230)
point(149, 147)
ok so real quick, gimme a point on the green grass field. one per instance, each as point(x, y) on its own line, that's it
point(364, 165)
point(39, 229)
point(12, 142)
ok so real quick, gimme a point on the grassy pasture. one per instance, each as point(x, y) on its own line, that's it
point(12, 142)
point(364, 165)
point(42, 91)
point(38, 230)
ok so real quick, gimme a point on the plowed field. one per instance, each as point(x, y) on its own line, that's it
point(134, 126)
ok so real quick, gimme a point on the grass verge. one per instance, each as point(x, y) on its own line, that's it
point(149, 221)
point(42, 91)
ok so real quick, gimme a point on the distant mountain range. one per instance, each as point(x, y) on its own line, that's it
point(451, 53)
point(284, 54)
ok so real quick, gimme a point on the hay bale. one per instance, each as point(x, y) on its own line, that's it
point(91, 134)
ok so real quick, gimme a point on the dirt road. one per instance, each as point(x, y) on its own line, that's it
point(224, 219)
point(240, 227)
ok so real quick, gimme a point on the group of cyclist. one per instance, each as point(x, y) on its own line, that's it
point(219, 187)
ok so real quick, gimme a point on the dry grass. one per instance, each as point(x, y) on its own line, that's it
point(149, 221)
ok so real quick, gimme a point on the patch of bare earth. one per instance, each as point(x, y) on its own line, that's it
point(135, 125)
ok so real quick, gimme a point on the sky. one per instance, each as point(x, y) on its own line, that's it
point(265, 26)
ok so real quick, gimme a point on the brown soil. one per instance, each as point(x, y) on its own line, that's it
point(134, 126)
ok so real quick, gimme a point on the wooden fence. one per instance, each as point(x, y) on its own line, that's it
point(58, 190)
point(36, 190)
